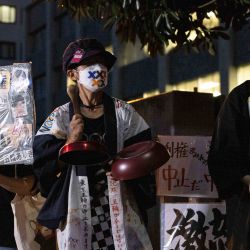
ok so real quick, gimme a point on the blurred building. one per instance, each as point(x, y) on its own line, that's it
point(40, 32)
point(12, 31)
point(49, 29)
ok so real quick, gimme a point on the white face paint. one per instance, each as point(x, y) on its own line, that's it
point(94, 77)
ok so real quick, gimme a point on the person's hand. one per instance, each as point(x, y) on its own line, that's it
point(76, 129)
point(23, 186)
point(246, 179)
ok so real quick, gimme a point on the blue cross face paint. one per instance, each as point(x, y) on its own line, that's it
point(94, 77)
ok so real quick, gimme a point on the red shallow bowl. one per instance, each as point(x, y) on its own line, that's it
point(84, 153)
point(138, 160)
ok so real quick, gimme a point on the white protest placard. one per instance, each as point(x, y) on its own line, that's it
point(17, 114)
point(186, 173)
point(193, 226)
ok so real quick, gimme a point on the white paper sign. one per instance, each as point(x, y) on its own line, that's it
point(193, 226)
point(186, 173)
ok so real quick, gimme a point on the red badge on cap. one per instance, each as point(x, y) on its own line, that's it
point(77, 56)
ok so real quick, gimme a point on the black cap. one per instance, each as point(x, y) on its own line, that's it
point(81, 50)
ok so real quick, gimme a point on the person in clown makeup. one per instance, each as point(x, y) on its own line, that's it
point(80, 205)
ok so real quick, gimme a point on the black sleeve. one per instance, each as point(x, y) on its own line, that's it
point(45, 149)
point(144, 188)
point(228, 156)
point(142, 136)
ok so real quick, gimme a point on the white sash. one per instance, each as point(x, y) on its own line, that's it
point(128, 229)
point(116, 214)
point(77, 233)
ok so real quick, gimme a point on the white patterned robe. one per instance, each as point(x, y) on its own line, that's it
point(124, 126)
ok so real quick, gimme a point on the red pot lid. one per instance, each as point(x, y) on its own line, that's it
point(84, 153)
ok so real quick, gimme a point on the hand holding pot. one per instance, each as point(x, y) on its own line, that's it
point(76, 129)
